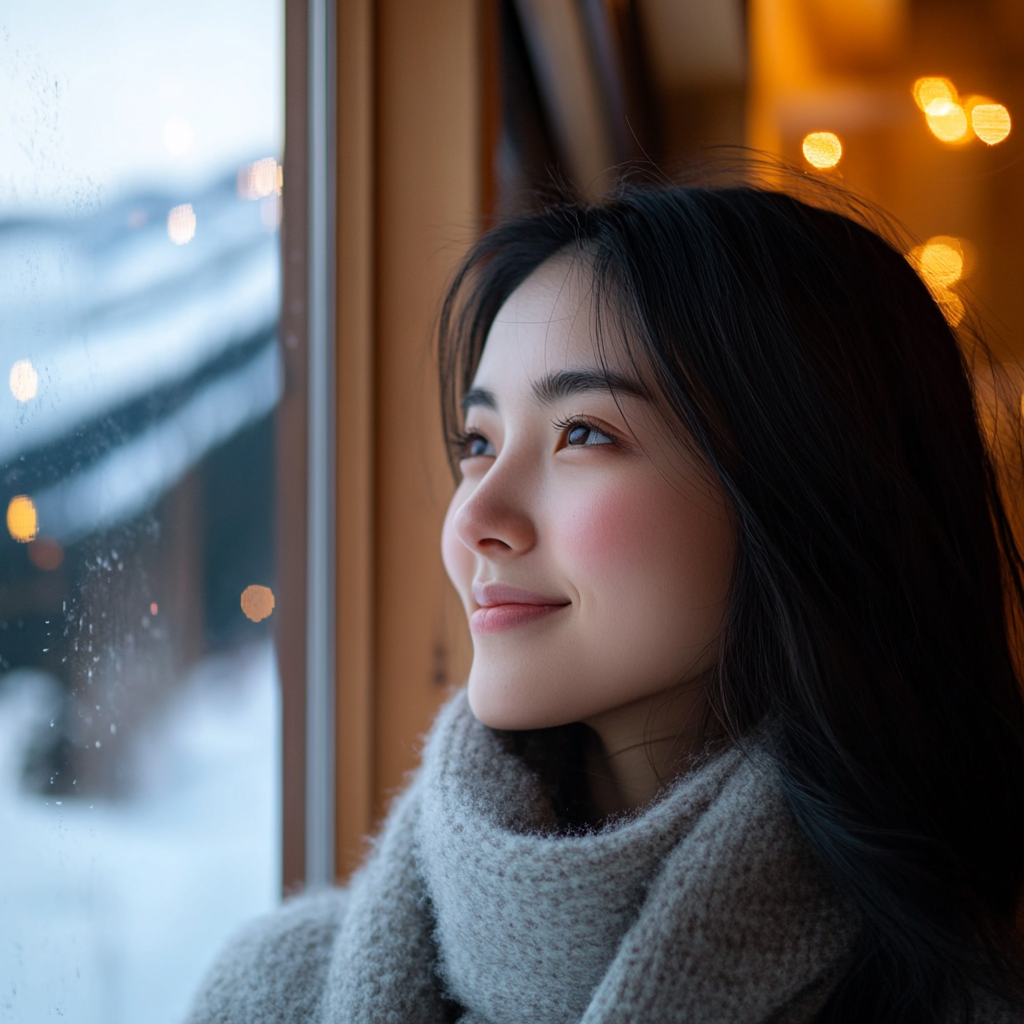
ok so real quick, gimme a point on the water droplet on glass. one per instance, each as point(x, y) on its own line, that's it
point(98, 744)
point(113, 729)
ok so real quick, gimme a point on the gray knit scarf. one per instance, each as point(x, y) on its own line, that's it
point(473, 906)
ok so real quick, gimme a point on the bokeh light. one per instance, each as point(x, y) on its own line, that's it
point(991, 122)
point(154, 608)
point(947, 120)
point(22, 521)
point(181, 224)
point(24, 380)
point(940, 261)
point(46, 553)
point(952, 306)
point(822, 149)
point(260, 179)
point(257, 602)
point(178, 136)
point(928, 90)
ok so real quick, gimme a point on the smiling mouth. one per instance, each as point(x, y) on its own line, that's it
point(505, 607)
point(497, 618)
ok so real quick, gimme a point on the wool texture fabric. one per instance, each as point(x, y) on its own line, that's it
point(474, 906)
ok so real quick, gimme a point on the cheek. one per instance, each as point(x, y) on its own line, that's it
point(647, 555)
point(602, 533)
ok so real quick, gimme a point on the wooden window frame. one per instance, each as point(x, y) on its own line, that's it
point(382, 193)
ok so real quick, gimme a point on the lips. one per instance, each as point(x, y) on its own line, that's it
point(504, 607)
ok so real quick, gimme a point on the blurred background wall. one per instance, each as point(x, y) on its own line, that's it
point(916, 97)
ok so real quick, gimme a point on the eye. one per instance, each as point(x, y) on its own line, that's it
point(473, 446)
point(583, 435)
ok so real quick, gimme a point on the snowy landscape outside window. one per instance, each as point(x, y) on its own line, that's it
point(140, 184)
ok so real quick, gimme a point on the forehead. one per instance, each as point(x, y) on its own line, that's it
point(546, 325)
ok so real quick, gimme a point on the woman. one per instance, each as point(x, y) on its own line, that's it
point(743, 738)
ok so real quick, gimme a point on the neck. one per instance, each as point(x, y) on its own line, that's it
point(641, 746)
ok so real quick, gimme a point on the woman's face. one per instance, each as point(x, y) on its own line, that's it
point(592, 553)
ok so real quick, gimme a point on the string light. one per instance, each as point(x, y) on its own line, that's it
point(822, 149)
point(941, 263)
point(22, 520)
point(928, 90)
point(991, 122)
point(181, 224)
point(257, 602)
point(260, 179)
point(24, 380)
point(947, 120)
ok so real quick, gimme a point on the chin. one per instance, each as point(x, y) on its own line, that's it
point(502, 702)
point(542, 696)
point(496, 705)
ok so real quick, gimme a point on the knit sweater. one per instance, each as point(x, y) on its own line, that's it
point(474, 906)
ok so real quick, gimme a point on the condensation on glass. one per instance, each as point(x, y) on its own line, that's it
point(140, 189)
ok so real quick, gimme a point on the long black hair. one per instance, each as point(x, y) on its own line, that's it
point(874, 612)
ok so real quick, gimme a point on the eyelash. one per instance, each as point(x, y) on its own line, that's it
point(571, 422)
point(461, 439)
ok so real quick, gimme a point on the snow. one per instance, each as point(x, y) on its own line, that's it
point(111, 911)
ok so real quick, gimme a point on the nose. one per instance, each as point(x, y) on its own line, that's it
point(495, 519)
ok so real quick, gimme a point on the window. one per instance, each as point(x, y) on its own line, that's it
point(140, 198)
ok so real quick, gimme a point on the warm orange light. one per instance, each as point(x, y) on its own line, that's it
point(45, 553)
point(947, 120)
point(22, 521)
point(991, 122)
point(822, 149)
point(24, 380)
point(940, 261)
point(952, 306)
point(257, 602)
point(928, 90)
point(259, 179)
point(181, 224)
point(154, 608)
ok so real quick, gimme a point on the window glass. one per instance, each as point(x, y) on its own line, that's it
point(139, 373)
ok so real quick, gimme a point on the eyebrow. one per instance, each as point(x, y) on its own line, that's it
point(479, 396)
point(564, 384)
